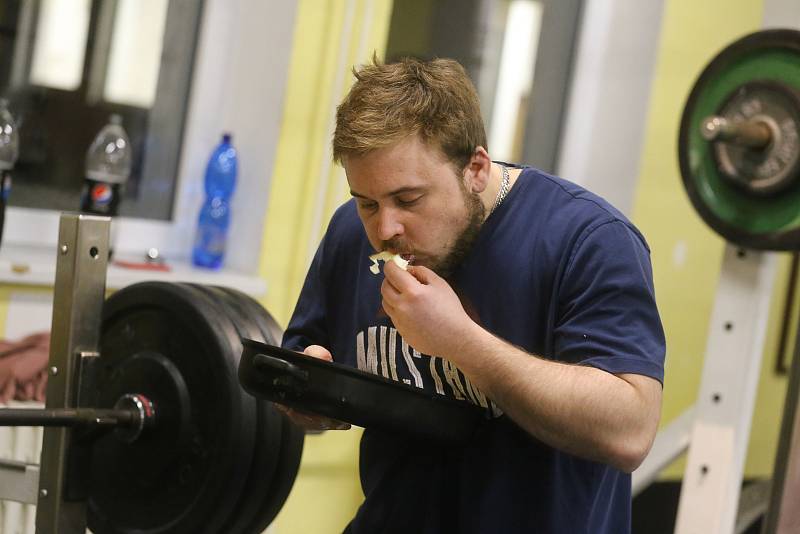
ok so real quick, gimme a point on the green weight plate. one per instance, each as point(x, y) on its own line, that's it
point(769, 222)
point(246, 516)
point(186, 474)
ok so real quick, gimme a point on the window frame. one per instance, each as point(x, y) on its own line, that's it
point(235, 87)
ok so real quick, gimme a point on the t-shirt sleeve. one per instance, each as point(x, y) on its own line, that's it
point(308, 325)
point(607, 316)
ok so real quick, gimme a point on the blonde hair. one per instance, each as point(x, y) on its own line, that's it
point(391, 101)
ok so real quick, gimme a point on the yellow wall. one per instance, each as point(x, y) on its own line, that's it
point(305, 191)
point(5, 295)
point(692, 33)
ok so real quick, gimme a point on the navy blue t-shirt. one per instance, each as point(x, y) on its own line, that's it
point(556, 271)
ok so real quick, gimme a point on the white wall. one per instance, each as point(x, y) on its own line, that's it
point(238, 86)
point(609, 97)
point(782, 14)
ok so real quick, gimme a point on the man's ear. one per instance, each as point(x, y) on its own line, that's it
point(478, 170)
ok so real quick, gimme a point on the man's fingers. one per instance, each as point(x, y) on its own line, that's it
point(423, 275)
point(311, 421)
point(388, 308)
point(318, 351)
point(401, 279)
point(389, 292)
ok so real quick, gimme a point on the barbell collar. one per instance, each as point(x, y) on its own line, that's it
point(133, 414)
point(750, 133)
point(144, 416)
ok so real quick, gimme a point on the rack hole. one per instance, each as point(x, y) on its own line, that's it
point(93, 252)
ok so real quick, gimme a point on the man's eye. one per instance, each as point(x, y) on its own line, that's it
point(369, 206)
point(406, 202)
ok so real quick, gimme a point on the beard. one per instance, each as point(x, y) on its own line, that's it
point(476, 213)
point(446, 265)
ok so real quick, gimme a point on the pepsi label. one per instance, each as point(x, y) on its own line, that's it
point(99, 198)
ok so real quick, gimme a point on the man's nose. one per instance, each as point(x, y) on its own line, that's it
point(388, 225)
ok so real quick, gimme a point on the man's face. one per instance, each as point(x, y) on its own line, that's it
point(411, 201)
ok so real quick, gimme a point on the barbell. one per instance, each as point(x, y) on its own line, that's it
point(162, 420)
point(176, 444)
point(739, 141)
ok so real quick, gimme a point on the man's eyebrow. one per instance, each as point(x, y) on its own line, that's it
point(399, 191)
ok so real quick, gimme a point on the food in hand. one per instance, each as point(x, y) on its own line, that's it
point(387, 256)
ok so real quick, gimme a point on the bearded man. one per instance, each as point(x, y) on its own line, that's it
point(526, 294)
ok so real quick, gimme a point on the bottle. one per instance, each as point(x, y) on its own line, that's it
point(215, 214)
point(108, 166)
point(9, 150)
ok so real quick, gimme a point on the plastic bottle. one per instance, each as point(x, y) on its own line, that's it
point(9, 150)
point(215, 214)
point(108, 166)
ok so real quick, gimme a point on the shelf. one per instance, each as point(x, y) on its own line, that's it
point(36, 266)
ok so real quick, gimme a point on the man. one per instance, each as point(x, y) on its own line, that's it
point(526, 294)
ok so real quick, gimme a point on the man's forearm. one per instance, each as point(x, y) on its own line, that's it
point(579, 409)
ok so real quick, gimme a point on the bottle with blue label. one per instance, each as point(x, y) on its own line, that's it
point(215, 214)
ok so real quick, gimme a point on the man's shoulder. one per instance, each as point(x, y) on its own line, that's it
point(571, 207)
point(563, 194)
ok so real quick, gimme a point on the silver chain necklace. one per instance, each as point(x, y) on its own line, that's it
point(503, 191)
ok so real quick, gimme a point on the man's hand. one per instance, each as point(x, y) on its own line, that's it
point(424, 309)
point(312, 422)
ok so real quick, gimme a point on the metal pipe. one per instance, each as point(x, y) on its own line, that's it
point(68, 417)
point(751, 133)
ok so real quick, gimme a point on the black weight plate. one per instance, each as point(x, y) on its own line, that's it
point(273, 333)
point(771, 222)
point(292, 436)
point(292, 439)
point(354, 396)
point(185, 474)
point(246, 516)
point(233, 332)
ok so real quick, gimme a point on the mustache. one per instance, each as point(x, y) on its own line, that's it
point(394, 244)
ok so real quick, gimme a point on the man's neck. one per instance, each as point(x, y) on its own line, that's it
point(489, 195)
